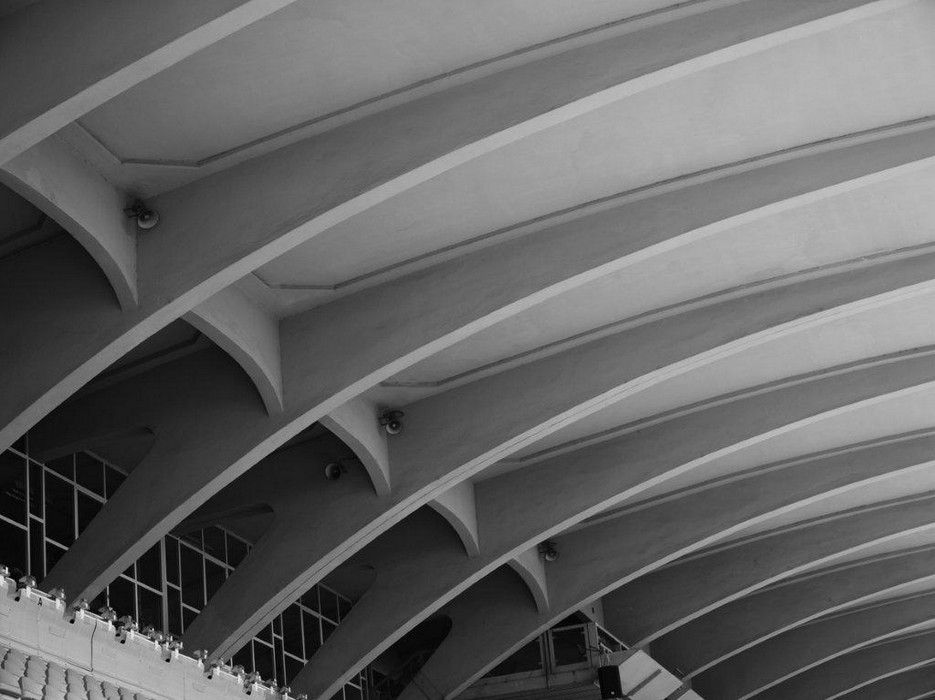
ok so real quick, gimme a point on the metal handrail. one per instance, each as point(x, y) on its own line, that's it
point(593, 651)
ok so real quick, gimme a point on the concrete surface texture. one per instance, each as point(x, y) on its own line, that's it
point(651, 281)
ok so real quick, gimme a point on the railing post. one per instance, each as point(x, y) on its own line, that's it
point(593, 641)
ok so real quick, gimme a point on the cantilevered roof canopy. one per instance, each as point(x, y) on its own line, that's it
point(650, 280)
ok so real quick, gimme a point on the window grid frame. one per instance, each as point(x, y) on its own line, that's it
point(33, 467)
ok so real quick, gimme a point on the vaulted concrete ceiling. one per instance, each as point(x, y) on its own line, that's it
point(652, 280)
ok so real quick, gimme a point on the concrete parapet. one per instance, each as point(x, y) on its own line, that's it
point(51, 652)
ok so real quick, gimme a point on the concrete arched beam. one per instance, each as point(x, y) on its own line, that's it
point(52, 178)
point(47, 83)
point(599, 366)
point(742, 624)
point(916, 684)
point(457, 505)
point(227, 400)
point(456, 433)
point(357, 424)
point(428, 311)
point(493, 629)
point(320, 377)
point(218, 229)
point(651, 537)
point(530, 567)
point(714, 586)
point(451, 436)
point(51, 294)
point(114, 408)
point(799, 650)
point(299, 467)
point(201, 521)
point(488, 643)
point(860, 669)
point(326, 179)
point(502, 584)
point(518, 513)
point(85, 441)
point(249, 335)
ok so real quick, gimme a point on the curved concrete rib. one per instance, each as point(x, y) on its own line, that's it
point(721, 588)
point(530, 566)
point(299, 468)
point(219, 229)
point(862, 668)
point(804, 648)
point(597, 367)
point(656, 539)
point(457, 505)
point(357, 424)
point(433, 309)
point(504, 585)
point(56, 181)
point(494, 629)
point(228, 401)
point(468, 299)
point(453, 435)
point(249, 335)
point(315, 184)
point(57, 63)
point(55, 275)
point(516, 512)
point(323, 378)
point(742, 624)
point(916, 684)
